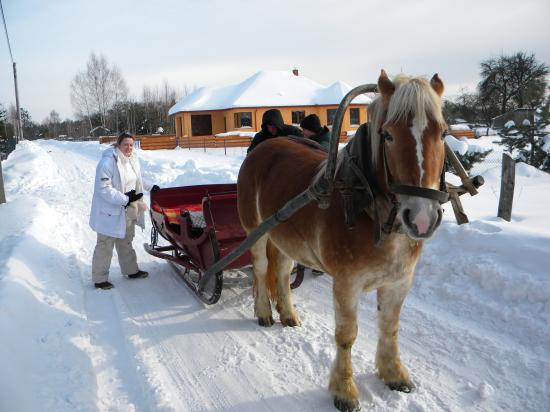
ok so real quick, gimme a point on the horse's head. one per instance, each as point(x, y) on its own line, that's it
point(411, 128)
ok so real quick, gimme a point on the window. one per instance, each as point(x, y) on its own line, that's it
point(242, 119)
point(354, 116)
point(201, 124)
point(179, 128)
point(331, 113)
point(298, 116)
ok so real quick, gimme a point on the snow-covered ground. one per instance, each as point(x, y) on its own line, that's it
point(474, 332)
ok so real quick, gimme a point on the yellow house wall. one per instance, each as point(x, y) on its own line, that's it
point(223, 120)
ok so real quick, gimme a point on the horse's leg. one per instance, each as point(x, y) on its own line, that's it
point(346, 296)
point(280, 266)
point(262, 304)
point(390, 369)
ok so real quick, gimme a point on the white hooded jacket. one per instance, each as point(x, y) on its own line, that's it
point(108, 216)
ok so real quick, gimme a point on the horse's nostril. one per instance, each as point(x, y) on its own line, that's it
point(407, 217)
point(439, 217)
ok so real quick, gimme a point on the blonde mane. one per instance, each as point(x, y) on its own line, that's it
point(413, 97)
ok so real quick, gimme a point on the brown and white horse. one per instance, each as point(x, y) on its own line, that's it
point(406, 126)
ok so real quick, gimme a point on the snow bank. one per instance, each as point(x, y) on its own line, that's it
point(44, 334)
point(458, 145)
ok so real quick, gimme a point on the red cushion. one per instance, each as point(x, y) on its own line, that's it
point(172, 213)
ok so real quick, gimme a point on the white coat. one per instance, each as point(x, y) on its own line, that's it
point(108, 216)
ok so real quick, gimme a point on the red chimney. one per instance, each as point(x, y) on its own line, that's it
point(295, 71)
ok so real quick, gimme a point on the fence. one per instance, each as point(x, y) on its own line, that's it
point(158, 142)
point(470, 134)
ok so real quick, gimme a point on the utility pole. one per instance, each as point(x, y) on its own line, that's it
point(2, 193)
point(20, 127)
point(19, 123)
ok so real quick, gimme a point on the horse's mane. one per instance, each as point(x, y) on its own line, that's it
point(414, 97)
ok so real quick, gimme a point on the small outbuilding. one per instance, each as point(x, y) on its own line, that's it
point(100, 131)
point(239, 108)
point(516, 115)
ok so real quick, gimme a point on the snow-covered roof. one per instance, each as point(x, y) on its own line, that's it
point(266, 89)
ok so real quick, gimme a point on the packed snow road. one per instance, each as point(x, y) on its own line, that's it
point(474, 330)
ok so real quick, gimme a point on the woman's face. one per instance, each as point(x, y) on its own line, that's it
point(126, 146)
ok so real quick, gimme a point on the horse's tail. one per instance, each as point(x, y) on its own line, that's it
point(271, 279)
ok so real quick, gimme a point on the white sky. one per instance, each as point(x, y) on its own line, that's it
point(220, 42)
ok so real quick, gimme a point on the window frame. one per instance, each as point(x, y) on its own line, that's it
point(238, 120)
point(300, 114)
point(358, 116)
point(330, 121)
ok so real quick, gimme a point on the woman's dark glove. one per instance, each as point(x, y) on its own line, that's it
point(133, 196)
point(154, 188)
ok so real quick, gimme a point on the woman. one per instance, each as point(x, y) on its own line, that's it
point(116, 208)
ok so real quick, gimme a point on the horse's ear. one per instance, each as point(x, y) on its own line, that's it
point(385, 85)
point(437, 85)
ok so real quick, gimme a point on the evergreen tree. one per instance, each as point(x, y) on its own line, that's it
point(529, 141)
point(469, 159)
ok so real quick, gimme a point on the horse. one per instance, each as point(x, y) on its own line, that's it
point(405, 166)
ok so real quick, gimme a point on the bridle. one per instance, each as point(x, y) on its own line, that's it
point(441, 195)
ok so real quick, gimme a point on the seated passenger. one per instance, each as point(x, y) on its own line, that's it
point(273, 126)
point(311, 126)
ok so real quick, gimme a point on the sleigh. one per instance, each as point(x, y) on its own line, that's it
point(201, 224)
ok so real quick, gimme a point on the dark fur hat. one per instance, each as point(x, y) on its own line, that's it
point(311, 123)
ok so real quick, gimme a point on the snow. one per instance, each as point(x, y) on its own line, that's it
point(266, 89)
point(484, 131)
point(236, 133)
point(474, 331)
point(458, 145)
point(459, 127)
point(509, 124)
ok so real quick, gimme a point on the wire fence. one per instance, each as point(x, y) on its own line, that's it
point(491, 161)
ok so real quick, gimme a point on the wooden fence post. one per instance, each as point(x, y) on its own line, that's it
point(507, 183)
point(2, 193)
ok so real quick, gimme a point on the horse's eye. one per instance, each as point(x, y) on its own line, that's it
point(387, 136)
point(444, 134)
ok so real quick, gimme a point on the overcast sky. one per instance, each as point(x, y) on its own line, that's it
point(221, 42)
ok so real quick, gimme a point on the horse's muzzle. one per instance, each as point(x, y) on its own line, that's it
point(420, 217)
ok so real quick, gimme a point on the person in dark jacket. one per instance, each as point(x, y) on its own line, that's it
point(312, 129)
point(273, 126)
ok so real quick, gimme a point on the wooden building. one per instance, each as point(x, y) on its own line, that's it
point(239, 108)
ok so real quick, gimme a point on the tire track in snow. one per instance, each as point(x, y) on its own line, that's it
point(119, 386)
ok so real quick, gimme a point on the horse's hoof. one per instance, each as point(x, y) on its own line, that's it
point(291, 322)
point(266, 322)
point(401, 387)
point(345, 405)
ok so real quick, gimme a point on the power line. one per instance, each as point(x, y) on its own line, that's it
point(6, 30)
point(19, 123)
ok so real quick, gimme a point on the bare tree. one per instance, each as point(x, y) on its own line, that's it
point(53, 122)
point(81, 98)
point(97, 89)
point(509, 82)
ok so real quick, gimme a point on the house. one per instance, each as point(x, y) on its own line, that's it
point(239, 108)
point(517, 115)
point(100, 131)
